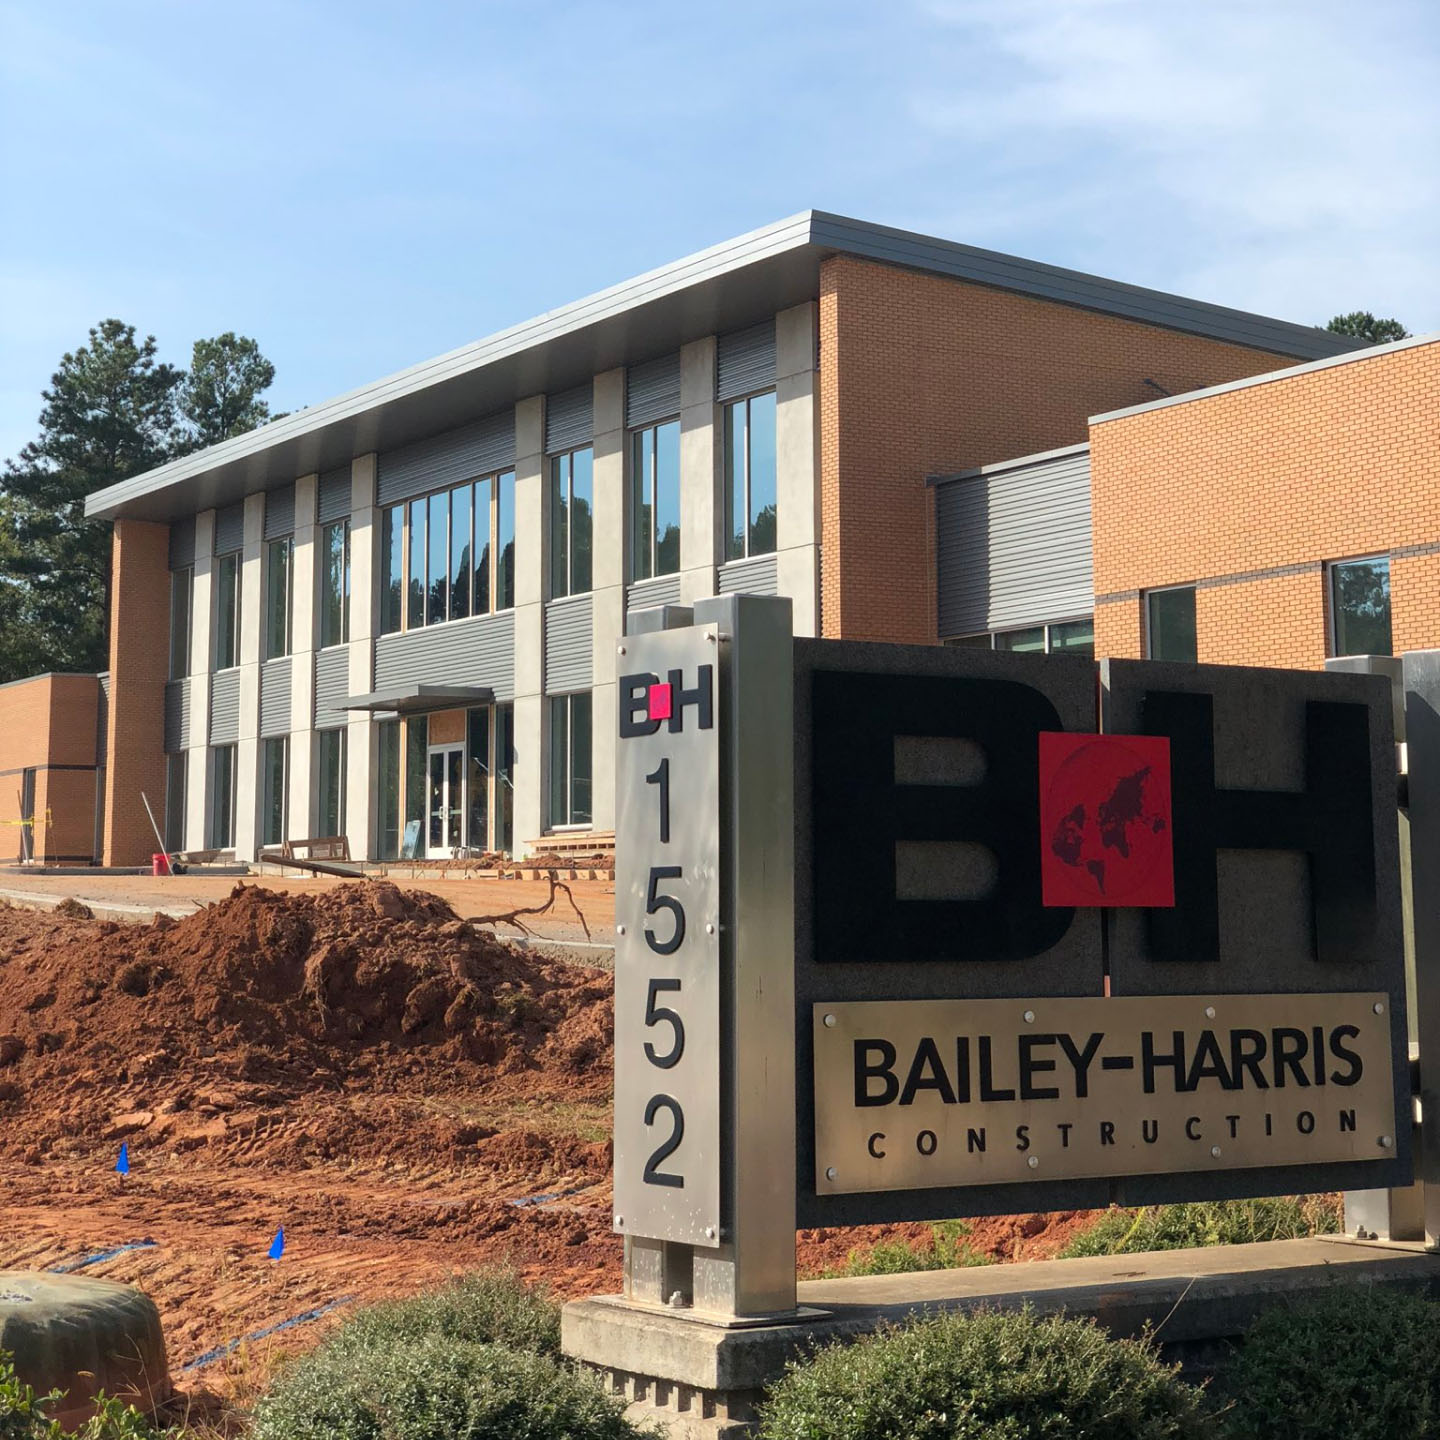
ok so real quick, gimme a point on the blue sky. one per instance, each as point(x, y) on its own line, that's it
point(362, 185)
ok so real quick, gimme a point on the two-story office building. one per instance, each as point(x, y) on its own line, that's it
point(394, 615)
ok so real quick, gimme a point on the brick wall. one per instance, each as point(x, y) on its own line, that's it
point(48, 724)
point(139, 661)
point(1249, 493)
point(922, 375)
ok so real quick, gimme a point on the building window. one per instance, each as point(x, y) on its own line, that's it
point(227, 610)
point(1066, 637)
point(180, 586)
point(655, 501)
point(1170, 624)
point(222, 797)
point(417, 748)
point(571, 499)
point(1360, 606)
point(277, 597)
point(335, 583)
point(274, 790)
point(435, 555)
point(570, 760)
point(505, 778)
point(477, 779)
point(175, 802)
point(388, 782)
point(330, 781)
point(750, 503)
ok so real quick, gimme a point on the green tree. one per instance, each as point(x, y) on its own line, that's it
point(109, 414)
point(1364, 326)
point(220, 397)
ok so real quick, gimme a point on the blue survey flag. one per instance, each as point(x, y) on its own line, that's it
point(277, 1245)
point(122, 1165)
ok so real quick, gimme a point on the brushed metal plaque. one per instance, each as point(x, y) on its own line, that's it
point(667, 994)
point(911, 1094)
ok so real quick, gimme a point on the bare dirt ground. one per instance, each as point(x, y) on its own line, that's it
point(407, 1096)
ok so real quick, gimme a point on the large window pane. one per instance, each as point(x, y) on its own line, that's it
point(222, 797)
point(582, 512)
point(580, 766)
point(1073, 637)
point(392, 580)
point(505, 778)
point(1360, 602)
point(175, 776)
point(417, 743)
point(762, 474)
point(277, 598)
point(180, 586)
point(439, 559)
point(330, 782)
point(642, 508)
point(335, 580)
point(505, 541)
point(560, 760)
point(227, 611)
point(480, 605)
point(477, 779)
point(560, 525)
point(570, 760)
point(416, 604)
point(1029, 641)
point(667, 498)
point(735, 507)
point(273, 790)
point(1172, 624)
point(460, 501)
point(388, 788)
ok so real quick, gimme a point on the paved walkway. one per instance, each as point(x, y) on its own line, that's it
point(137, 898)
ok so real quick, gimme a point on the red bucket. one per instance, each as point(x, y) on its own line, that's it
point(160, 864)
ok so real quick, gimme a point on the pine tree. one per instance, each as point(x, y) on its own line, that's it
point(220, 397)
point(1364, 326)
point(109, 414)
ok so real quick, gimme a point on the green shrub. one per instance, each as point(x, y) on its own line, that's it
point(23, 1413)
point(437, 1389)
point(1355, 1364)
point(1216, 1222)
point(949, 1249)
point(488, 1306)
point(989, 1376)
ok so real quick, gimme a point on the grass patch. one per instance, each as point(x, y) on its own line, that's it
point(948, 1248)
point(1212, 1222)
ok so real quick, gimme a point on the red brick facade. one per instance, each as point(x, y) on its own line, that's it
point(922, 375)
point(1251, 492)
point(139, 664)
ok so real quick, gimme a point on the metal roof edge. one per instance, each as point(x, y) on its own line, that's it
point(1074, 287)
point(1019, 463)
point(55, 675)
point(1290, 372)
point(791, 233)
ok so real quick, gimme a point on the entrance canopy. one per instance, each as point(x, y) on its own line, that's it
point(417, 699)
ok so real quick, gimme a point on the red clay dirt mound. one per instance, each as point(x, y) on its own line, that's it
point(209, 1028)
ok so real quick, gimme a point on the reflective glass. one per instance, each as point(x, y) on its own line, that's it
point(762, 475)
point(480, 605)
point(582, 501)
point(560, 525)
point(505, 541)
point(272, 791)
point(439, 559)
point(1360, 599)
point(222, 811)
point(477, 779)
point(330, 781)
point(642, 491)
point(580, 759)
point(1172, 624)
point(175, 766)
point(559, 760)
point(388, 786)
point(417, 741)
point(392, 560)
point(505, 778)
point(277, 599)
point(667, 498)
point(1023, 642)
point(335, 589)
point(1073, 637)
point(180, 581)
point(416, 616)
point(227, 612)
point(460, 501)
point(735, 481)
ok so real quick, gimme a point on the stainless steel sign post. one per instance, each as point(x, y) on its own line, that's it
point(704, 995)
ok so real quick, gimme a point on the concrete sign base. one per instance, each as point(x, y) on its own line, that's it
point(703, 1382)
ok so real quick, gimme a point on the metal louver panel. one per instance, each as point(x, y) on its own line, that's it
point(229, 529)
point(568, 664)
point(467, 652)
point(647, 594)
point(1013, 546)
point(182, 543)
point(758, 575)
point(745, 361)
point(280, 513)
point(224, 706)
point(275, 697)
point(652, 391)
point(448, 459)
point(569, 419)
point(332, 495)
point(332, 686)
point(177, 716)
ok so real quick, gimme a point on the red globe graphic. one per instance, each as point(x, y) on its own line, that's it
point(1105, 820)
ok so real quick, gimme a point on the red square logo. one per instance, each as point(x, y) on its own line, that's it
point(659, 696)
point(1105, 820)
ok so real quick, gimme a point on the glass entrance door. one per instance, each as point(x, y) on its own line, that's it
point(446, 799)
